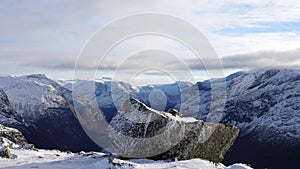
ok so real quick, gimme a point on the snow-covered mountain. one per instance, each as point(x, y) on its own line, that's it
point(261, 101)
point(264, 104)
point(110, 95)
point(45, 109)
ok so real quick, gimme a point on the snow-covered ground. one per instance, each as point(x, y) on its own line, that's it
point(26, 157)
point(49, 159)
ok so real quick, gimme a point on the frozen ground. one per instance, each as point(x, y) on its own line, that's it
point(53, 159)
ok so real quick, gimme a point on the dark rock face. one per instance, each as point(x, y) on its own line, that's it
point(138, 131)
point(175, 112)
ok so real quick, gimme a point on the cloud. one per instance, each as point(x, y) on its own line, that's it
point(47, 36)
point(263, 59)
point(155, 62)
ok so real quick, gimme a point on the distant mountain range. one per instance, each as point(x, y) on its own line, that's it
point(264, 104)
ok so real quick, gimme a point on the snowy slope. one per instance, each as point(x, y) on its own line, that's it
point(48, 115)
point(8, 115)
point(28, 95)
point(265, 102)
point(49, 159)
point(25, 156)
point(265, 105)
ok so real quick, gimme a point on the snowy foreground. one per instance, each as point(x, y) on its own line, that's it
point(49, 159)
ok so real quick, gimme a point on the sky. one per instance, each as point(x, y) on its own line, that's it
point(48, 37)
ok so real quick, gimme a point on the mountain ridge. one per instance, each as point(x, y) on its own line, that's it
point(264, 104)
point(46, 113)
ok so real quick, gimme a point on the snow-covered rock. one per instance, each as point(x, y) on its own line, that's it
point(11, 134)
point(139, 131)
point(10, 138)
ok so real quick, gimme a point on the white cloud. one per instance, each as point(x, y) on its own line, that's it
point(48, 35)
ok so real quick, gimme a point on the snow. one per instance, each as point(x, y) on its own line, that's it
point(238, 166)
point(8, 129)
point(45, 159)
point(4, 142)
point(49, 159)
point(182, 119)
point(147, 124)
point(194, 163)
point(27, 92)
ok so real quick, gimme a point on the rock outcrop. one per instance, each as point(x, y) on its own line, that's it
point(12, 134)
point(9, 138)
point(138, 131)
point(5, 152)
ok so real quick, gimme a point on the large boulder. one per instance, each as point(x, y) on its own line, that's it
point(138, 131)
